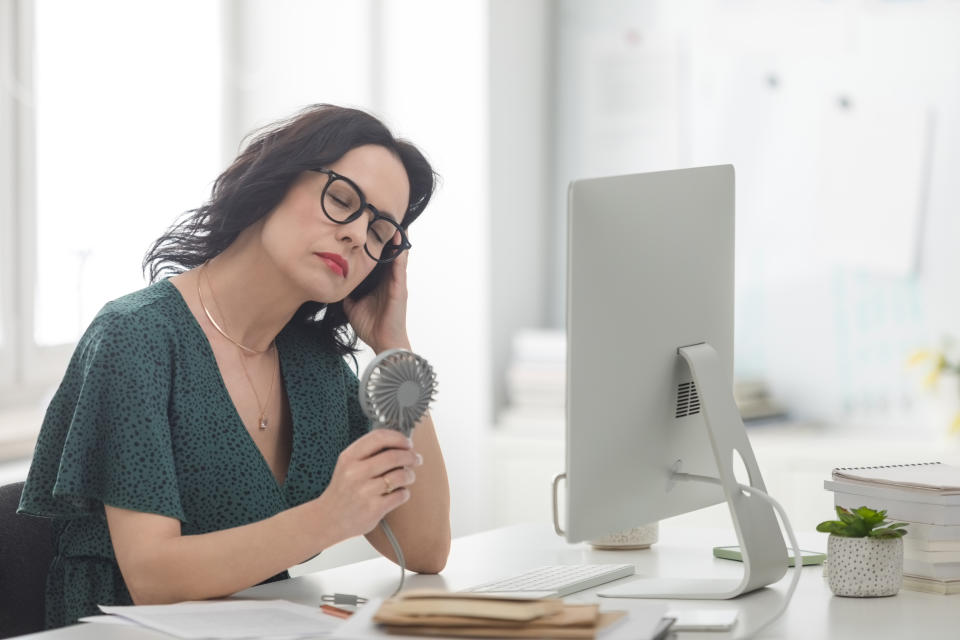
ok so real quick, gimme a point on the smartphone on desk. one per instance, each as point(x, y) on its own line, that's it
point(702, 619)
point(807, 557)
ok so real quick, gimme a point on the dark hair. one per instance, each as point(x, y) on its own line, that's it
point(259, 179)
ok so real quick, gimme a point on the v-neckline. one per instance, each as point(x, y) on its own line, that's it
point(238, 421)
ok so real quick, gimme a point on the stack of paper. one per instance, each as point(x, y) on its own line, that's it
point(228, 619)
point(925, 495)
point(472, 615)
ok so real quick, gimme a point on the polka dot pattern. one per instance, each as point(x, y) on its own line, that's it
point(863, 567)
point(142, 420)
point(636, 538)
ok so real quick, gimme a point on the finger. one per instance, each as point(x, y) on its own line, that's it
point(387, 460)
point(395, 499)
point(377, 440)
point(394, 480)
point(402, 261)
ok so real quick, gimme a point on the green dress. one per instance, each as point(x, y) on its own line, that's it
point(143, 421)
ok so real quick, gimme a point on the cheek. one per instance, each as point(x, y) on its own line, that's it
point(285, 230)
point(360, 273)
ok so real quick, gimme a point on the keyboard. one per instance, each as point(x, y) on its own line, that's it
point(556, 581)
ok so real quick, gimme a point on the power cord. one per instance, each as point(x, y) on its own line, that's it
point(354, 600)
point(399, 553)
point(691, 477)
point(797, 556)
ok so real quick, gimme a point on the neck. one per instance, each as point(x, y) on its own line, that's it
point(253, 300)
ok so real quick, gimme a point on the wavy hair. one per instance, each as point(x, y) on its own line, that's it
point(258, 180)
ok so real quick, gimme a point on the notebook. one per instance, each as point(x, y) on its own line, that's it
point(928, 477)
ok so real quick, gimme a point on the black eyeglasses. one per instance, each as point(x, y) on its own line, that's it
point(343, 202)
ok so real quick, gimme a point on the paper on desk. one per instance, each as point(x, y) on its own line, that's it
point(231, 619)
point(642, 621)
point(105, 619)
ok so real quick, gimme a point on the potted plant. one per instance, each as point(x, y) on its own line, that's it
point(864, 553)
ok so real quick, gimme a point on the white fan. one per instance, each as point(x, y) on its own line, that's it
point(396, 389)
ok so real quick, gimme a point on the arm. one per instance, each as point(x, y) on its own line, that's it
point(160, 565)
point(422, 524)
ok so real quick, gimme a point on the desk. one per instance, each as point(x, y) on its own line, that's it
point(814, 614)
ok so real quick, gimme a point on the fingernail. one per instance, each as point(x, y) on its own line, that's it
point(419, 459)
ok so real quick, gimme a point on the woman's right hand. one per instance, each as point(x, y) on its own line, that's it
point(371, 479)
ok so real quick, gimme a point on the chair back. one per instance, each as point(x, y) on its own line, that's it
point(26, 550)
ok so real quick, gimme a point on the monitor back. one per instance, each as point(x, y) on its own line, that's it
point(650, 270)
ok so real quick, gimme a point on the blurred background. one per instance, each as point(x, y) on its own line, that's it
point(842, 119)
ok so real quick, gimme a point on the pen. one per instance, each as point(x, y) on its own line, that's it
point(336, 612)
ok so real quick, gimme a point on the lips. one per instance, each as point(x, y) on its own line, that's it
point(336, 263)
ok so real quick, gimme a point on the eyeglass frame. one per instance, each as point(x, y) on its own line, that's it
point(364, 205)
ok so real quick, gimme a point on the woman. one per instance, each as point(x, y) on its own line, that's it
point(207, 433)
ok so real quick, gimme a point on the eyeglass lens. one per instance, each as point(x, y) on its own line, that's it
point(342, 203)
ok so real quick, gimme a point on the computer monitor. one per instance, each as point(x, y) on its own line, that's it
point(650, 368)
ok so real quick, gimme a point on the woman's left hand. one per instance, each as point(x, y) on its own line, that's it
point(380, 317)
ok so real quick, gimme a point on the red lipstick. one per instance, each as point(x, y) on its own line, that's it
point(336, 263)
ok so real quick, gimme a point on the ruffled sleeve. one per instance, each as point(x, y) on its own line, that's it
point(106, 436)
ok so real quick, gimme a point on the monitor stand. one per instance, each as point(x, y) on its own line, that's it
point(761, 543)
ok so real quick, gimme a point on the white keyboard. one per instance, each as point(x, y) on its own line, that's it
point(557, 580)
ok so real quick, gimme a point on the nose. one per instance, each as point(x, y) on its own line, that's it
point(353, 233)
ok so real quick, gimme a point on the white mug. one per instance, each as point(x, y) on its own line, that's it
point(636, 538)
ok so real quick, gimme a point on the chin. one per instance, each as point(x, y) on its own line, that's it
point(314, 291)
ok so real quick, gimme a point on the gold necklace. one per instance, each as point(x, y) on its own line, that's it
point(216, 326)
point(262, 422)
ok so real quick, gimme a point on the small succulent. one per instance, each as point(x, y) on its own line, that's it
point(862, 523)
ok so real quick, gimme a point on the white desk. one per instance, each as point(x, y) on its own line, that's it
point(814, 614)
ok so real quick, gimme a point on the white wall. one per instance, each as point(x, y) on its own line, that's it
point(846, 216)
point(281, 56)
point(421, 65)
point(434, 69)
point(520, 183)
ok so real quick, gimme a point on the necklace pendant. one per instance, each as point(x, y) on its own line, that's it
point(263, 423)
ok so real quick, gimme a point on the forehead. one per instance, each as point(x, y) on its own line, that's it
point(379, 174)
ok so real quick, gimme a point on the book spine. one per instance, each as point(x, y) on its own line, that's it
point(929, 557)
point(935, 546)
point(926, 585)
point(945, 571)
point(900, 510)
point(887, 491)
point(944, 537)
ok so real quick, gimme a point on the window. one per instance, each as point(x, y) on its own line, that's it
point(115, 130)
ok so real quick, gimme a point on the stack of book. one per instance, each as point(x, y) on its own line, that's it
point(925, 495)
point(453, 615)
point(536, 381)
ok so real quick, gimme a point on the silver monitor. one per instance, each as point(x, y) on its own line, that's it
point(650, 366)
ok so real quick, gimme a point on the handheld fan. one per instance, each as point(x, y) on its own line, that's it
point(396, 389)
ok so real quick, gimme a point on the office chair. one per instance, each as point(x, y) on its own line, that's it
point(26, 549)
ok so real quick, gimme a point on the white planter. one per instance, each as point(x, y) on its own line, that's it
point(864, 567)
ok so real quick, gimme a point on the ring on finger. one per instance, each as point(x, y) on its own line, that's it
point(387, 485)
